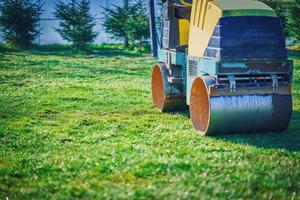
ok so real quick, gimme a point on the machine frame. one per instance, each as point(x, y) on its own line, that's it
point(257, 91)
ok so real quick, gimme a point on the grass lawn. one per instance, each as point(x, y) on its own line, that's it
point(84, 126)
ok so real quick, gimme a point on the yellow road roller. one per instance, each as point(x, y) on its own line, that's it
point(225, 60)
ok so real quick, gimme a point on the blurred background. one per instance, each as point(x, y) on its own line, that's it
point(112, 21)
point(49, 23)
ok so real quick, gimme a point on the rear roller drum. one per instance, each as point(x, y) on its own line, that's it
point(213, 115)
point(166, 97)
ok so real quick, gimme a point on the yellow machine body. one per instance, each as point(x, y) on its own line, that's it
point(206, 14)
point(184, 31)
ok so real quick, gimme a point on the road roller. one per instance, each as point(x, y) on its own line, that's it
point(224, 60)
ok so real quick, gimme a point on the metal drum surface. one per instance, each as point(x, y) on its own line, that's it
point(166, 97)
point(238, 114)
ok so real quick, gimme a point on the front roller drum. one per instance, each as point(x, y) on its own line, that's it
point(166, 97)
point(212, 115)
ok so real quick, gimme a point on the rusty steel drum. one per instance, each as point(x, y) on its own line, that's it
point(166, 97)
point(249, 113)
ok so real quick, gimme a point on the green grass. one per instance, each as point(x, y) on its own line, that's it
point(83, 126)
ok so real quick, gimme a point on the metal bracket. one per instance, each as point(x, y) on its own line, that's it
point(169, 60)
point(232, 83)
point(275, 82)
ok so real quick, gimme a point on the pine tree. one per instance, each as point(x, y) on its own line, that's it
point(128, 22)
point(116, 19)
point(76, 22)
point(293, 19)
point(20, 21)
point(138, 24)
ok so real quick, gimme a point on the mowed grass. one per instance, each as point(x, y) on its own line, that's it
point(83, 127)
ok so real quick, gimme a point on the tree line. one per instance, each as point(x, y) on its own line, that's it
point(20, 21)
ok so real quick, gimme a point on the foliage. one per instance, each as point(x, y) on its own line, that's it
point(116, 20)
point(20, 21)
point(76, 22)
point(138, 24)
point(293, 19)
point(84, 127)
point(129, 22)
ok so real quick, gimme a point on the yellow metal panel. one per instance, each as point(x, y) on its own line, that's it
point(205, 6)
point(197, 8)
point(206, 14)
point(199, 12)
point(184, 29)
point(201, 33)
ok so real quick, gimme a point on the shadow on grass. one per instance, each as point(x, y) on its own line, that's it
point(184, 113)
point(66, 50)
point(288, 140)
point(93, 51)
